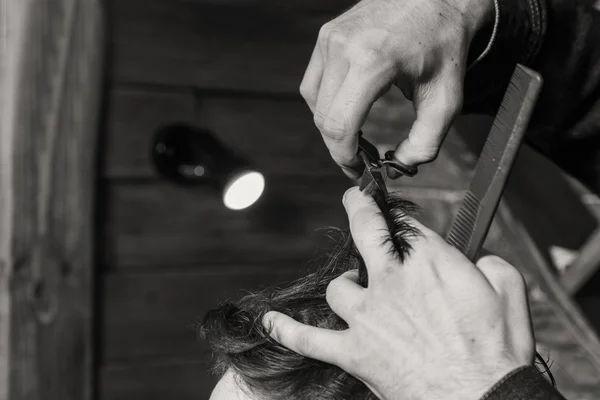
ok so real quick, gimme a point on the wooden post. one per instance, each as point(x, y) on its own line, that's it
point(51, 55)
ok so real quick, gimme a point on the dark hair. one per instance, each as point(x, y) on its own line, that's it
point(267, 369)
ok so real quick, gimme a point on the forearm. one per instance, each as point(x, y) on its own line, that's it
point(561, 40)
point(523, 384)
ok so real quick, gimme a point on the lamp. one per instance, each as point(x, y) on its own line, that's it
point(193, 156)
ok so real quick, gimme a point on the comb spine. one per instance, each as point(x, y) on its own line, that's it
point(475, 215)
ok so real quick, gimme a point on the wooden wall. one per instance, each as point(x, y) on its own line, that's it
point(51, 62)
point(168, 253)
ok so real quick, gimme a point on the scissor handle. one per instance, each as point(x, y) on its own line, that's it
point(370, 150)
point(393, 162)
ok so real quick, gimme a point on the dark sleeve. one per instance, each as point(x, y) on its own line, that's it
point(561, 40)
point(525, 383)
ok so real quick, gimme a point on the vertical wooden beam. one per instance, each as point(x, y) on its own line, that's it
point(51, 55)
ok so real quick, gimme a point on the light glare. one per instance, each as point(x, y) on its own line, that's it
point(244, 190)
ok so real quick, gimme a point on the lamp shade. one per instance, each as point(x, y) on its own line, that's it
point(191, 156)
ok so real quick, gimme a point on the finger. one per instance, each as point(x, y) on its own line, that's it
point(349, 109)
point(309, 87)
point(508, 282)
point(370, 232)
point(344, 294)
point(436, 107)
point(502, 276)
point(334, 73)
point(317, 343)
point(333, 77)
point(368, 228)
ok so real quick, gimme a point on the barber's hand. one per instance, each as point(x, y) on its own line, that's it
point(419, 45)
point(433, 327)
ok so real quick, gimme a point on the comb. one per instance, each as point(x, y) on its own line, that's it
point(473, 220)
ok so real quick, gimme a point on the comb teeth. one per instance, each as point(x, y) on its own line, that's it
point(473, 220)
point(464, 223)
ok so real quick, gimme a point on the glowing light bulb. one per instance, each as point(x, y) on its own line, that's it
point(243, 191)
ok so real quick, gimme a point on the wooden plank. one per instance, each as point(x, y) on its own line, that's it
point(154, 225)
point(51, 69)
point(170, 381)
point(277, 134)
point(212, 47)
point(152, 315)
point(133, 118)
point(161, 225)
point(335, 6)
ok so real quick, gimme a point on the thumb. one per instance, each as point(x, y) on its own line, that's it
point(436, 107)
point(312, 342)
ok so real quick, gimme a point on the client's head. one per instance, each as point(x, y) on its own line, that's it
point(254, 366)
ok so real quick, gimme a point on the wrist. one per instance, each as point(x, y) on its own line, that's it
point(485, 35)
point(479, 15)
point(470, 383)
point(477, 385)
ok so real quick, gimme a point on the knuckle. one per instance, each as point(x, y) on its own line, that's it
point(334, 129)
point(332, 290)
point(306, 92)
point(491, 260)
point(324, 33)
point(274, 330)
point(361, 217)
point(453, 103)
point(354, 362)
point(449, 97)
point(341, 159)
point(304, 344)
point(428, 154)
point(513, 278)
point(506, 274)
point(319, 120)
point(337, 38)
point(368, 56)
point(424, 153)
point(424, 247)
point(334, 35)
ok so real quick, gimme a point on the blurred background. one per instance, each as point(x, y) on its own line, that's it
point(167, 246)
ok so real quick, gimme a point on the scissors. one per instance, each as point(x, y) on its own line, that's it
point(372, 180)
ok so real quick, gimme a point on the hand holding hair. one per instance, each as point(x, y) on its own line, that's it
point(435, 326)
